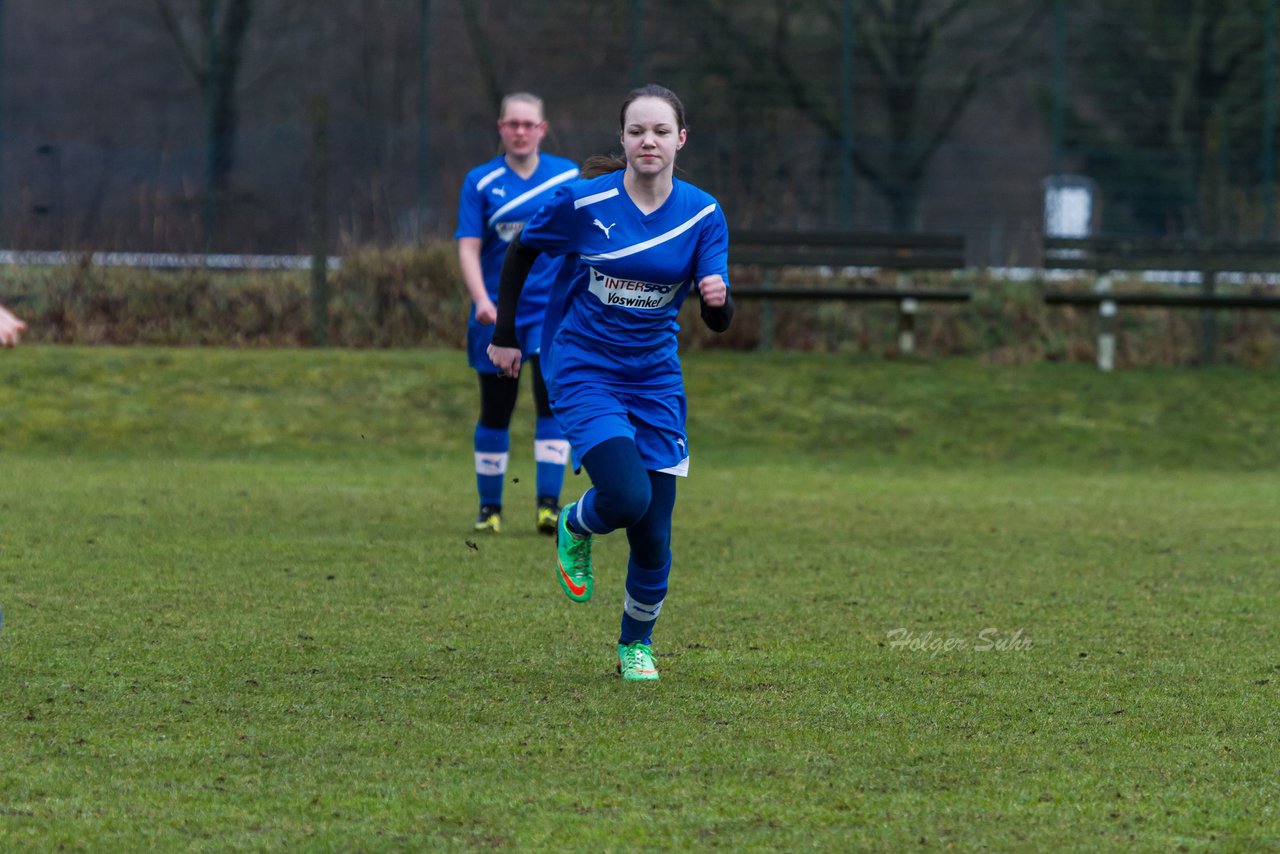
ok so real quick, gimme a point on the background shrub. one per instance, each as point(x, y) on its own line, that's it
point(414, 297)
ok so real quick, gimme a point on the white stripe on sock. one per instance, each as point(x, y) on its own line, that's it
point(577, 516)
point(639, 610)
point(551, 451)
point(491, 463)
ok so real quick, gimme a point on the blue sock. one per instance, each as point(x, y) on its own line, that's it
point(646, 588)
point(491, 463)
point(550, 453)
point(576, 521)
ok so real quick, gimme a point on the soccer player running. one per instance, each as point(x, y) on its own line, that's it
point(637, 239)
point(497, 198)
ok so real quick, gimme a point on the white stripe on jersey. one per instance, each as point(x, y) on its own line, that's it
point(591, 200)
point(568, 175)
point(488, 179)
point(653, 241)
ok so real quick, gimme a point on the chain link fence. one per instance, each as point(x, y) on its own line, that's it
point(182, 126)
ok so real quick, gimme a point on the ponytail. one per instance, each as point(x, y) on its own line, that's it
point(602, 164)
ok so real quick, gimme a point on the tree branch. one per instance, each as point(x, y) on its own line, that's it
point(174, 29)
point(978, 74)
point(484, 55)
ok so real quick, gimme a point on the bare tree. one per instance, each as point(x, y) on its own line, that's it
point(1171, 97)
point(919, 65)
point(213, 58)
point(119, 87)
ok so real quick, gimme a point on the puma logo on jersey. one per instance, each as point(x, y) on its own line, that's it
point(680, 442)
point(500, 192)
point(605, 228)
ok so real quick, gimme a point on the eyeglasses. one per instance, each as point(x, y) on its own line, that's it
point(513, 124)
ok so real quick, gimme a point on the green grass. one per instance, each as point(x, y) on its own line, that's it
point(241, 611)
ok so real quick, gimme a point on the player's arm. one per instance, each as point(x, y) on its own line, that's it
point(473, 276)
point(11, 328)
point(717, 304)
point(504, 352)
point(711, 269)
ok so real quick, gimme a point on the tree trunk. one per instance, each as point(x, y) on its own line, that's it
point(224, 75)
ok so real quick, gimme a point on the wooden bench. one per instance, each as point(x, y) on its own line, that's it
point(1103, 256)
point(772, 251)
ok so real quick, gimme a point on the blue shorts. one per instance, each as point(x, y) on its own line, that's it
point(479, 336)
point(589, 414)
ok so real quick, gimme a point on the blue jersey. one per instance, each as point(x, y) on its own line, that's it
point(612, 315)
point(495, 204)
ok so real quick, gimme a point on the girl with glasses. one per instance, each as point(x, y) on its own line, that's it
point(497, 198)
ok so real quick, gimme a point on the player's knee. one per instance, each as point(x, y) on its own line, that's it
point(625, 503)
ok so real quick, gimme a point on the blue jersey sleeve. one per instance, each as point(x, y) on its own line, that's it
point(713, 248)
point(470, 211)
point(553, 229)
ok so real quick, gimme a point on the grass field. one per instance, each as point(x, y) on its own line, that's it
point(926, 606)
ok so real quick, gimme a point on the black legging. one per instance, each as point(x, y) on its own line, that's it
point(498, 396)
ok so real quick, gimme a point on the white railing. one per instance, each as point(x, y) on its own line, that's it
point(164, 260)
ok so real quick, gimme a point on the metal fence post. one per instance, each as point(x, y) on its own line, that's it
point(768, 280)
point(1106, 335)
point(319, 221)
point(1106, 326)
point(1208, 319)
point(907, 325)
point(424, 112)
point(210, 212)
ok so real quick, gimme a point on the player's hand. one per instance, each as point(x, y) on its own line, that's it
point(486, 313)
point(11, 328)
point(713, 290)
point(506, 360)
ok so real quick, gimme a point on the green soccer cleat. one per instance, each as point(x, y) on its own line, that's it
point(548, 518)
point(490, 519)
point(573, 560)
point(635, 662)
